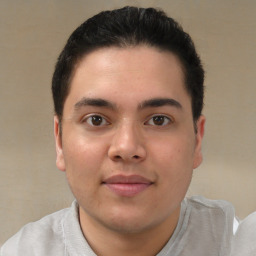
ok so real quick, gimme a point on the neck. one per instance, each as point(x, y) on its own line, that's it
point(107, 242)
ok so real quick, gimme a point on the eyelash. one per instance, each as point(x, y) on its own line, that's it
point(89, 120)
point(167, 120)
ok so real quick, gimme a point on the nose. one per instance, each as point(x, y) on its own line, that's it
point(127, 145)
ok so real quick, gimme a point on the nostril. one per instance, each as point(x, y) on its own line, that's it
point(117, 157)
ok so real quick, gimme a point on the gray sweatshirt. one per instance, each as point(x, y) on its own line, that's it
point(205, 228)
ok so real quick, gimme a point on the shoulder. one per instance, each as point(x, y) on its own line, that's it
point(219, 207)
point(220, 215)
point(244, 242)
point(37, 238)
point(215, 215)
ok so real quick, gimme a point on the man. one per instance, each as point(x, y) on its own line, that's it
point(128, 96)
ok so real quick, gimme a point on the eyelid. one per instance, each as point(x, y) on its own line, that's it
point(86, 117)
point(170, 119)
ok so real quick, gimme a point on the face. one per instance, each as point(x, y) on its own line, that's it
point(128, 142)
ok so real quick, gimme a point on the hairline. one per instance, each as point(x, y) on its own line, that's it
point(123, 45)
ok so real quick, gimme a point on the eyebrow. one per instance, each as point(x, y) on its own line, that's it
point(97, 102)
point(155, 102)
point(159, 102)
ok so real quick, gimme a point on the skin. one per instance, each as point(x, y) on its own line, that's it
point(129, 135)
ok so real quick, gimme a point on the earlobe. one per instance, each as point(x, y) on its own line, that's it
point(60, 163)
point(199, 138)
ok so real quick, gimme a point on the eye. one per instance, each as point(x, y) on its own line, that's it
point(96, 120)
point(159, 120)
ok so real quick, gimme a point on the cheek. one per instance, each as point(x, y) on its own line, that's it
point(173, 150)
point(83, 155)
point(83, 160)
point(173, 160)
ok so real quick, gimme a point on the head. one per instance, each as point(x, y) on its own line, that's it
point(128, 94)
point(126, 27)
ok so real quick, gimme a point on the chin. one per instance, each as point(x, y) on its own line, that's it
point(129, 223)
point(129, 227)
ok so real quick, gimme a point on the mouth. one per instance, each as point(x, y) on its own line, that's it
point(127, 186)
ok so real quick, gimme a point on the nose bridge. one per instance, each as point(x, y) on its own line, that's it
point(127, 142)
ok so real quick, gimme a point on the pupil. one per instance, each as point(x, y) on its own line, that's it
point(158, 120)
point(96, 120)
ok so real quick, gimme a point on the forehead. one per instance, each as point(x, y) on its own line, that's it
point(129, 58)
point(138, 73)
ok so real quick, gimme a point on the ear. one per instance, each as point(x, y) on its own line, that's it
point(198, 158)
point(60, 163)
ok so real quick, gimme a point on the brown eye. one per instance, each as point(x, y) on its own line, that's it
point(96, 120)
point(159, 120)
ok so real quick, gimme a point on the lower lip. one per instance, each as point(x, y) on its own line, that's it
point(127, 189)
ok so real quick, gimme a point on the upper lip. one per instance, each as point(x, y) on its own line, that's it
point(127, 179)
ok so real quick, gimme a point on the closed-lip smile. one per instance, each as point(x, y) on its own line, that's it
point(127, 186)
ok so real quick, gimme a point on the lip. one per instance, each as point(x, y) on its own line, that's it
point(127, 186)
